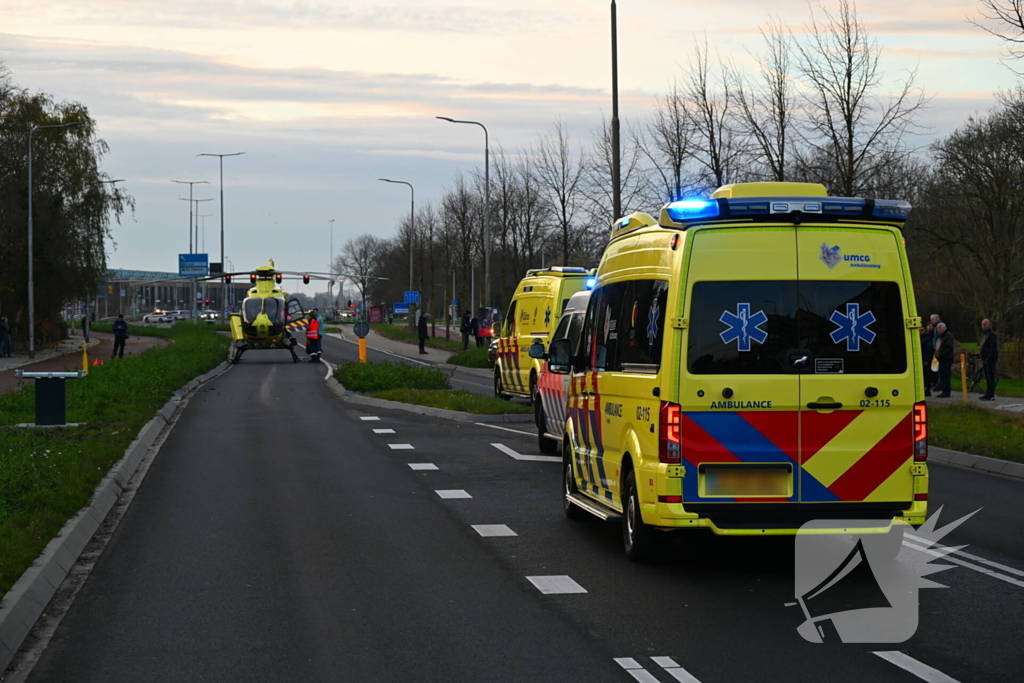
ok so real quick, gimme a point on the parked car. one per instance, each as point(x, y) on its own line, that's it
point(157, 317)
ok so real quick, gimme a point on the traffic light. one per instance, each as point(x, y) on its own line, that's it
point(278, 278)
point(350, 304)
point(227, 279)
point(207, 301)
point(252, 278)
point(305, 279)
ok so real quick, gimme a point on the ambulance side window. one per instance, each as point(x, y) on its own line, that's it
point(562, 331)
point(643, 326)
point(586, 350)
point(509, 328)
point(608, 328)
point(575, 329)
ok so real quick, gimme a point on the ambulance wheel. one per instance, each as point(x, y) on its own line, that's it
point(639, 539)
point(571, 510)
point(498, 391)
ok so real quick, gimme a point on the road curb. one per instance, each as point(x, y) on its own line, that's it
point(459, 416)
point(22, 606)
point(976, 462)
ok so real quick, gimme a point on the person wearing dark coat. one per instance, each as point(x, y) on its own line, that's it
point(422, 328)
point(5, 338)
point(927, 353)
point(989, 357)
point(944, 354)
point(120, 337)
point(474, 329)
point(465, 328)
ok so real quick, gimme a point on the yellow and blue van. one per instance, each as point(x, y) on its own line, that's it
point(534, 313)
point(748, 363)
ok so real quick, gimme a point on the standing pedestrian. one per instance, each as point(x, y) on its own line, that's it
point(944, 354)
point(990, 357)
point(120, 336)
point(5, 338)
point(422, 329)
point(927, 353)
point(935, 320)
point(465, 328)
point(320, 333)
point(474, 329)
point(313, 338)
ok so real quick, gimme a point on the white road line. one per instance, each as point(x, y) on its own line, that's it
point(487, 530)
point(396, 355)
point(969, 556)
point(368, 417)
point(383, 431)
point(556, 585)
point(519, 456)
point(422, 466)
point(634, 669)
point(504, 429)
point(400, 446)
point(674, 670)
point(982, 570)
point(919, 669)
point(330, 370)
point(450, 494)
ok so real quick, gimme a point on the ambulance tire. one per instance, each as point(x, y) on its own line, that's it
point(499, 391)
point(640, 540)
point(569, 485)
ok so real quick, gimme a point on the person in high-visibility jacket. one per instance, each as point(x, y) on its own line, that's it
point(313, 339)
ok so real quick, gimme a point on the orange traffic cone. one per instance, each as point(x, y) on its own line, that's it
point(96, 361)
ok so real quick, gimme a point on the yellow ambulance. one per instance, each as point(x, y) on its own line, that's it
point(749, 363)
point(536, 308)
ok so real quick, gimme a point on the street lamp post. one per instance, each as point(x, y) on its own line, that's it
point(412, 232)
point(616, 186)
point(195, 230)
point(487, 206)
point(190, 183)
point(330, 269)
point(31, 267)
point(224, 286)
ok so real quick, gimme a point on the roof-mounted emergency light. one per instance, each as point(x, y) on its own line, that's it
point(692, 209)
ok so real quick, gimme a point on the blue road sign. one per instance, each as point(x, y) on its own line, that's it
point(193, 265)
point(455, 302)
point(400, 309)
point(412, 297)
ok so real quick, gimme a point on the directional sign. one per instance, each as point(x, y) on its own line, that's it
point(400, 309)
point(193, 265)
point(412, 297)
point(361, 329)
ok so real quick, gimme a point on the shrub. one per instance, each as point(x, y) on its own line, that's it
point(386, 375)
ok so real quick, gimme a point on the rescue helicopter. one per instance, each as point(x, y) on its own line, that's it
point(267, 319)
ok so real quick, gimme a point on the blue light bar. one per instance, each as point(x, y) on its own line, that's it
point(889, 208)
point(591, 282)
point(692, 209)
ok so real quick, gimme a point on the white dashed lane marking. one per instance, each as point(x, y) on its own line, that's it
point(556, 585)
point(919, 669)
point(383, 431)
point(487, 530)
point(452, 493)
point(671, 667)
point(674, 670)
point(519, 456)
point(400, 446)
point(505, 429)
point(635, 670)
point(422, 466)
point(368, 417)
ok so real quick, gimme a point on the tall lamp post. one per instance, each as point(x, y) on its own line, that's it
point(412, 232)
point(487, 206)
point(330, 268)
point(195, 230)
point(31, 267)
point(224, 286)
point(616, 186)
point(190, 183)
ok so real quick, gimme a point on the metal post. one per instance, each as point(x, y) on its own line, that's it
point(223, 283)
point(412, 235)
point(330, 269)
point(616, 187)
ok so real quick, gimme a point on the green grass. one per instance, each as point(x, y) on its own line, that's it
point(454, 400)
point(474, 357)
point(386, 375)
point(402, 334)
point(46, 475)
point(978, 431)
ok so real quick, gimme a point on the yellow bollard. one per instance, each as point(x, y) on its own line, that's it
point(963, 376)
point(85, 358)
point(362, 349)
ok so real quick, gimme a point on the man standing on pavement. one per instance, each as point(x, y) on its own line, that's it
point(313, 338)
point(465, 328)
point(5, 338)
point(990, 357)
point(120, 336)
point(320, 333)
point(927, 353)
point(422, 328)
point(474, 329)
point(944, 354)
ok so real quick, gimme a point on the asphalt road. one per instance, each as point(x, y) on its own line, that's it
point(278, 537)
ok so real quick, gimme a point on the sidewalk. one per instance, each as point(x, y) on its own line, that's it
point(63, 348)
point(1000, 404)
point(410, 351)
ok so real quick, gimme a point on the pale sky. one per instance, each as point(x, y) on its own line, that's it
point(325, 96)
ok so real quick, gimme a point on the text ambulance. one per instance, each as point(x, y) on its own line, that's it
point(749, 363)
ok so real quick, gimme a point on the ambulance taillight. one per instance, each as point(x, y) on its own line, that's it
point(920, 432)
point(670, 433)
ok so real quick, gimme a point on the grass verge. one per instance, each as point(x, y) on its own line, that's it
point(402, 334)
point(386, 375)
point(46, 475)
point(475, 357)
point(454, 400)
point(978, 431)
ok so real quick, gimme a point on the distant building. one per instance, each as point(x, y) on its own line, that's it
point(143, 291)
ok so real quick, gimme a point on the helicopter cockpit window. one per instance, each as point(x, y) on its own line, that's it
point(251, 308)
point(274, 308)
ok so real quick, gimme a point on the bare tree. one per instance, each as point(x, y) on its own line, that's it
point(358, 262)
point(560, 173)
point(711, 101)
point(1008, 19)
point(668, 141)
point(765, 108)
point(849, 128)
point(597, 189)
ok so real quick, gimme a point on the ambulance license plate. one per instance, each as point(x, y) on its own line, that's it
point(746, 481)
